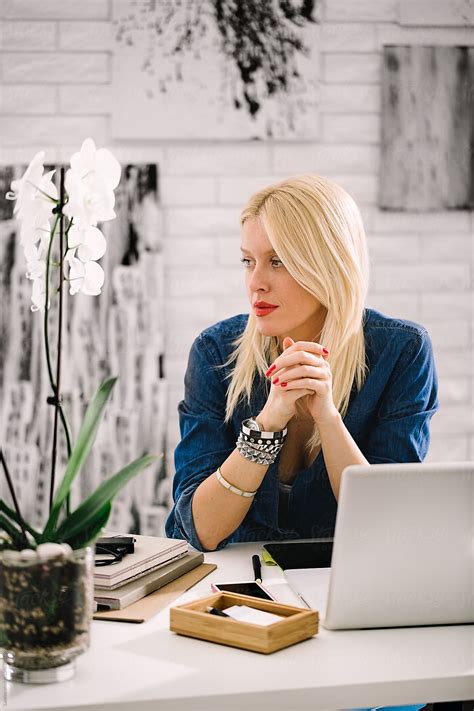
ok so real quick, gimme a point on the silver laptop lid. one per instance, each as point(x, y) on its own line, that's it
point(403, 546)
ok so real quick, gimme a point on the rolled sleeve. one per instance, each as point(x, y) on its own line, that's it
point(401, 429)
point(206, 440)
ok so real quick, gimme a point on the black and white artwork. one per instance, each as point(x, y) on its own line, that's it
point(119, 332)
point(216, 69)
point(427, 128)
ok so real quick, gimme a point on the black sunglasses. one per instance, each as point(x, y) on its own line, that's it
point(111, 555)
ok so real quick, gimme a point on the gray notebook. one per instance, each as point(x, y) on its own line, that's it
point(150, 553)
point(146, 584)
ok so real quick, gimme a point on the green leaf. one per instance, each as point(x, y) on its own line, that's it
point(14, 516)
point(89, 532)
point(79, 453)
point(86, 513)
point(15, 534)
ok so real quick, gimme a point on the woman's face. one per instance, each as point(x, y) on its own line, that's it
point(281, 306)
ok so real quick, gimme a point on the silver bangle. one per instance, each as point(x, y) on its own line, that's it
point(230, 487)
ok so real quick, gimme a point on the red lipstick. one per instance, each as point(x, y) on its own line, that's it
point(263, 308)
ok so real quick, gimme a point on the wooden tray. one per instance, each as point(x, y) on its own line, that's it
point(192, 620)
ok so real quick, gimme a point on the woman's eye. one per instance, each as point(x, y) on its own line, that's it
point(277, 263)
point(245, 262)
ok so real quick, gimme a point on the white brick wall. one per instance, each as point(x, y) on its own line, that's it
point(55, 89)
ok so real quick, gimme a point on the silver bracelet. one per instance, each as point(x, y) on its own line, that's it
point(230, 487)
point(260, 453)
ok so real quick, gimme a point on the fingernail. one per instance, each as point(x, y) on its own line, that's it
point(276, 380)
point(283, 385)
point(325, 351)
point(270, 370)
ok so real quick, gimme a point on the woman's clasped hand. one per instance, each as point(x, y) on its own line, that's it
point(301, 373)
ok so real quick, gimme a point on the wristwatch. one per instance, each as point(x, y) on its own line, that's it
point(252, 424)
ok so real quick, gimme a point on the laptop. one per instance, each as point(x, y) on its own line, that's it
point(403, 552)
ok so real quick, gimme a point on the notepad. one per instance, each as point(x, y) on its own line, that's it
point(129, 593)
point(150, 553)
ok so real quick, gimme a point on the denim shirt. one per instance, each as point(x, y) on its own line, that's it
point(388, 419)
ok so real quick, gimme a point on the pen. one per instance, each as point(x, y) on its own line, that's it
point(217, 612)
point(257, 568)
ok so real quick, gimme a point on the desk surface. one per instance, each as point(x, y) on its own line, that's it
point(140, 667)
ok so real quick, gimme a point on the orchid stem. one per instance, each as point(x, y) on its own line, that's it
point(57, 389)
point(55, 385)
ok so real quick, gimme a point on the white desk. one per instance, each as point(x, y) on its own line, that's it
point(143, 667)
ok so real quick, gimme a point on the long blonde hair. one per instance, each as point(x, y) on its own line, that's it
point(316, 230)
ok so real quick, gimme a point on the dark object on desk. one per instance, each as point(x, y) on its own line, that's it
point(217, 612)
point(451, 706)
point(257, 568)
point(114, 542)
point(301, 554)
point(112, 549)
point(251, 588)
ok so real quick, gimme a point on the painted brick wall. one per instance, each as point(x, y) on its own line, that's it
point(55, 85)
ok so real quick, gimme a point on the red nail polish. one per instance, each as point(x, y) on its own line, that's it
point(325, 351)
point(283, 385)
point(270, 370)
point(275, 381)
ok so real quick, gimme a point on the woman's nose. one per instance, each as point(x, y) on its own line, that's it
point(258, 280)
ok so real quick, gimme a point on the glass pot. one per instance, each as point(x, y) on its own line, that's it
point(46, 607)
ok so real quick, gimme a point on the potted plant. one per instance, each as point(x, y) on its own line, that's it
point(46, 576)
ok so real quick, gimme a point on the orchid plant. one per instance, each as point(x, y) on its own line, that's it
point(62, 245)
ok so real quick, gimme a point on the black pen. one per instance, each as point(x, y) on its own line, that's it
point(217, 612)
point(257, 568)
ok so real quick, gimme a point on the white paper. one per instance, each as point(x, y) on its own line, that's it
point(242, 613)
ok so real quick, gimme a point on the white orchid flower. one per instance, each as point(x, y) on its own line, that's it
point(86, 242)
point(37, 273)
point(100, 162)
point(90, 184)
point(34, 229)
point(85, 277)
point(34, 192)
point(90, 200)
point(23, 190)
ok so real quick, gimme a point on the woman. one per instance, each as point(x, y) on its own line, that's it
point(279, 402)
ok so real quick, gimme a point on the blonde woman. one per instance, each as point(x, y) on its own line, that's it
point(278, 402)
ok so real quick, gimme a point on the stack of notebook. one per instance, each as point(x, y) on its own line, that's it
point(154, 563)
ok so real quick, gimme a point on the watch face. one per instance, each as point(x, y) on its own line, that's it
point(253, 425)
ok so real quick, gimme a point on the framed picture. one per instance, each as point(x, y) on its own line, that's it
point(215, 69)
point(427, 128)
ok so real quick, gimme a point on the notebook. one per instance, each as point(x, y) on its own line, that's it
point(131, 592)
point(151, 552)
point(143, 609)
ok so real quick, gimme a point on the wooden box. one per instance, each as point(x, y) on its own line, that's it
point(193, 620)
